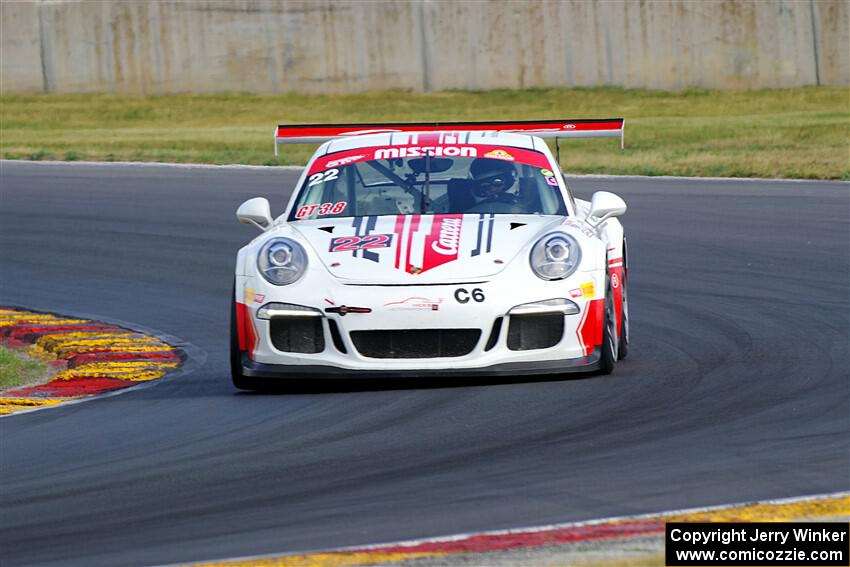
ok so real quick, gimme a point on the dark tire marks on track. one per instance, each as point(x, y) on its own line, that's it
point(736, 387)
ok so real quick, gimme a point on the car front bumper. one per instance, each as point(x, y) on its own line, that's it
point(255, 369)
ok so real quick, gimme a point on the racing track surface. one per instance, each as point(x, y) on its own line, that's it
point(736, 387)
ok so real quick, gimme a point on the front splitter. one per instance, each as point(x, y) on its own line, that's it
point(590, 363)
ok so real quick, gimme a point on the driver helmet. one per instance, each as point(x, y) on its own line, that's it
point(492, 177)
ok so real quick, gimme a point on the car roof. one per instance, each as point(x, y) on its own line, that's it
point(385, 139)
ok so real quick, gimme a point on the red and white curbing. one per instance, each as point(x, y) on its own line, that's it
point(448, 550)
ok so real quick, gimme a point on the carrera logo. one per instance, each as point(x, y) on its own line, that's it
point(434, 151)
point(449, 237)
point(426, 242)
point(344, 161)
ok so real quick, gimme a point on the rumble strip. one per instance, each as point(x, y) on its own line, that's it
point(89, 357)
point(552, 542)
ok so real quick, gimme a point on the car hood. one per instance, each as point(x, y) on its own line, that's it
point(421, 249)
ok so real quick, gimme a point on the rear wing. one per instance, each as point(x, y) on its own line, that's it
point(550, 129)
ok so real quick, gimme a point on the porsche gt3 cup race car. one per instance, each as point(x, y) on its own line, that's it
point(431, 250)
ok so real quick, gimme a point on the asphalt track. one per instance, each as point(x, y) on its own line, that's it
point(736, 387)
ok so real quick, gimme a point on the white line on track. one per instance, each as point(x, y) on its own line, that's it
point(531, 529)
point(272, 168)
point(683, 178)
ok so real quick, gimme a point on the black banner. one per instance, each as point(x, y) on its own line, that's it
point(757, 543)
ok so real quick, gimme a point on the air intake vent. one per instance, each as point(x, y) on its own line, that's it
point(337, 338)
point(494, 334)
point(297, 334)
point(416, 343)
point(529, 332)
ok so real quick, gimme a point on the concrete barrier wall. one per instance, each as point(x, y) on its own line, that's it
point(322, 46)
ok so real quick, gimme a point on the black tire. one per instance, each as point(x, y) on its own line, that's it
point(623, 347)
point(610, 342)
point(241, 381)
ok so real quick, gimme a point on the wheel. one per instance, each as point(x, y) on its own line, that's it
point(623, 345)
point(624, 317)
point(239, 380)
point(610, 342)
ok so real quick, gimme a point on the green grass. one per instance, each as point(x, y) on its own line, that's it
point(17, 369)
point(799, 133)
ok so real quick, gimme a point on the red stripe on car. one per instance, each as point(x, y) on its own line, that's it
point(245, 329)
point(398, 231)
point(589, 331)
point(616, 274)
point(414, 227)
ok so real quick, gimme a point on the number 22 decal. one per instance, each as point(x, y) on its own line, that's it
point(323, 177)
point(350, 243)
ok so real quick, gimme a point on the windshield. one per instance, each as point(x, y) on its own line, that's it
point(429, 180)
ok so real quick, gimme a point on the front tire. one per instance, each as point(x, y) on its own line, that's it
point(610, 341)
point(623, 345)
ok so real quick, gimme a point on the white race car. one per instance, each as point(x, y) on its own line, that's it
point(431, 250)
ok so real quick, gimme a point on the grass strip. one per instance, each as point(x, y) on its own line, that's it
point(792, 133)
point(17, 369)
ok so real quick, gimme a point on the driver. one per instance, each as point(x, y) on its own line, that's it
point(491, 178)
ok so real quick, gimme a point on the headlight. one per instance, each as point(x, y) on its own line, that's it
point(555, 256)
point(282, 261)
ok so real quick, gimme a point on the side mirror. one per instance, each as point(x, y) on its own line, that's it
point(603, 206)
point(255, 211)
